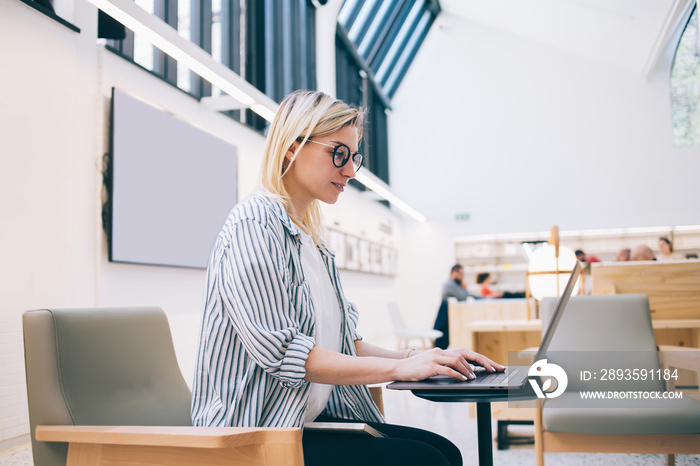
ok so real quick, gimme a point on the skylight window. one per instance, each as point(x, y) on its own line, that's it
point(387, 34)
point(685, 86)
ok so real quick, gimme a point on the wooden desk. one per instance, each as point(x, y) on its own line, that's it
point(496, 338)
point(463, 315)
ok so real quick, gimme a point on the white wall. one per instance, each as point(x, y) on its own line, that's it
point(523, 136)
point(47, 183)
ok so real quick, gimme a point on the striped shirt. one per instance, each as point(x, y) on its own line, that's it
point(257, 324)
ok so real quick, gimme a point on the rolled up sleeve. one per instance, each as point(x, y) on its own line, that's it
point(353, 318)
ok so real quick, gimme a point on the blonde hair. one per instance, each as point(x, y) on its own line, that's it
point(303, 115)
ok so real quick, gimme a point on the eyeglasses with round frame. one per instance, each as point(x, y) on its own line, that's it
point(341, 155)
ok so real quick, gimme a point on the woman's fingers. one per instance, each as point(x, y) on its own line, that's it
point(455, 363)
point(481, 360)
point(440, 362)
point(488, 364)
point(458, 363)
point(448, 371)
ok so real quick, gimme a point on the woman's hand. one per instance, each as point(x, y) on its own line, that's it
point(455, 363)
point(479, 359)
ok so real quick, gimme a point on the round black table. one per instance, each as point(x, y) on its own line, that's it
point(483, 402)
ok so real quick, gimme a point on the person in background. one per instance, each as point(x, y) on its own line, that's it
point(455, 286)
point(666, 250)
point(278, 345)
point(484, 279)
point(642, 253)
point(586, 259)
point(623, 255)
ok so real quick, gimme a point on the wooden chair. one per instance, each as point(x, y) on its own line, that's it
point(104, 387)
point(613, 332)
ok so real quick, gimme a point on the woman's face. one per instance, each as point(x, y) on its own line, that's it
point(664, 247)
point(313, 175)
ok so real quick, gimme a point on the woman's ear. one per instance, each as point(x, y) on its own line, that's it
point(291, 151)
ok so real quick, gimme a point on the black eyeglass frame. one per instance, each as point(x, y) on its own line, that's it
point(344, 160)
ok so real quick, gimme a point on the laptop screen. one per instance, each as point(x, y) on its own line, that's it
point(556, 317)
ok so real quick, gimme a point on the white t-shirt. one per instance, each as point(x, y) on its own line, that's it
point(327, 329)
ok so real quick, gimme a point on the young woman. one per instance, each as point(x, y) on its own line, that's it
point(484, 279)
point(278, 345)
point(666, 250)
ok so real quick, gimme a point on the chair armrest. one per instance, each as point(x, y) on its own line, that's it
point(163, 436)
point(377, 394)
point(177, 445)
point(680, 357)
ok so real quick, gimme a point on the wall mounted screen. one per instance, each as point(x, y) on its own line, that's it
point(172, 186)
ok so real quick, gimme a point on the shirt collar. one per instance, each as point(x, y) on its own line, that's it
point(281, 213)
point(324, 249)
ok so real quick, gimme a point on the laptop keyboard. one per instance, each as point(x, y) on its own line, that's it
point(493, 378)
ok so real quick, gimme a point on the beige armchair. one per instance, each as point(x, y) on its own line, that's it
point(104, 387)
point(614, 332)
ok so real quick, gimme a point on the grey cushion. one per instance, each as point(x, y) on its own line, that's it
point(112, 366)
point(568, 413)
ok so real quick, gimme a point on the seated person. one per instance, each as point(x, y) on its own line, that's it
point(273, 355)
point(624, 255)
point(455, 286)
point(642, 253)
point(666, 250)
point(484, 279)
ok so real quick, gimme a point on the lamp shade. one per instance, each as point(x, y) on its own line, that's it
point(543, 268)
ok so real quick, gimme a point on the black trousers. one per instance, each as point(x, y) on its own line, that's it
point(403, 446)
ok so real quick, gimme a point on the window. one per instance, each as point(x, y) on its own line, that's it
point(387, 35)
point(47, 8)
point(280, 49)
point(685, 86)
point(376, 43)
point(270, 44)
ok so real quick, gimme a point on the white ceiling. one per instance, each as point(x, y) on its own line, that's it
point(631, 34)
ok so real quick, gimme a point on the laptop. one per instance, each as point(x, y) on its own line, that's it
point(514, 377)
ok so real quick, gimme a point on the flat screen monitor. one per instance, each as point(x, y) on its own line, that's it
point(171, 186)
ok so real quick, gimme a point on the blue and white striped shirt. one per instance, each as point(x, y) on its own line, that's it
point(256, 327)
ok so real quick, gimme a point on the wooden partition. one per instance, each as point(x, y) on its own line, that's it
point(493, 327)
point(674, 294)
